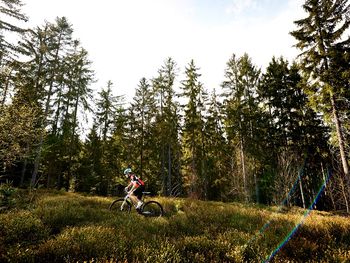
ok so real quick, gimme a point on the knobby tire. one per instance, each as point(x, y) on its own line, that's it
point(152, 209)
point(116, 206)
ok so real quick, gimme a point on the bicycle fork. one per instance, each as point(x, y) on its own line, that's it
point(123, 204)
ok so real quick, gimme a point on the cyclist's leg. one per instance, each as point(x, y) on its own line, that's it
point(133, 197)
point(138, 194)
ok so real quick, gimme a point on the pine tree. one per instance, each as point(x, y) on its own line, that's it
point(294, 132)
point(88, 179)
point(241, 117)
point(46, 47)
point(319, 35)
point(106, 110)
point(106, 113)
point(10, 9)
point(79, 79)
point(144, 113)
point(192, 136)
point(167, 128)
point(216, 151)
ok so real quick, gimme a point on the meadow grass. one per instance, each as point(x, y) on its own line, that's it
point(70, 227)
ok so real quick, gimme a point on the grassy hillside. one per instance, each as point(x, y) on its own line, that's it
point(67, 227)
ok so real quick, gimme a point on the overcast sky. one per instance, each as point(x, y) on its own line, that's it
point(130, 39)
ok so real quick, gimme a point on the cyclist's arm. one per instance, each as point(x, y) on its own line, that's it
point(128, 187)
point(133, 188)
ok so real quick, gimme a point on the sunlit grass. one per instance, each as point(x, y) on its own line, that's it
point(68, 227)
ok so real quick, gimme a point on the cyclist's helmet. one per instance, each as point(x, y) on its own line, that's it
point(127, 171)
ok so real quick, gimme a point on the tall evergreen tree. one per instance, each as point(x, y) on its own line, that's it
point(241, 116)
point(144, 112)
point(319, 35)
point(167, 128)
point(294, 132)
point(10, 9)
point(88, 179)
point(192, 134)
point(107, 108)
point(216, 152)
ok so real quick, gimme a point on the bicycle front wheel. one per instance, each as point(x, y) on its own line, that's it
point(120, 206)
point(152, 209)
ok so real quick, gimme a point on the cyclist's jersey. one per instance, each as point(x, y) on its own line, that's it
point(137, 182)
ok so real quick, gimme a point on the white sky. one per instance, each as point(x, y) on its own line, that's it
point(130, 39)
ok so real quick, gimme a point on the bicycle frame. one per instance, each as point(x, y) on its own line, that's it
point(128, 199)
point(149, 208)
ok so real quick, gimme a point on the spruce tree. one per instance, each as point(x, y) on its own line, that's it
point(144, 113)
point(106, 110)
point(318, 36)
point(294, 132)
point(216, 151)
point(192, 134)
point(167, 128)
point(241, 118)
point(10, 9)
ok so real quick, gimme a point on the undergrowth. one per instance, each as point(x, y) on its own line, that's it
point(68, 227)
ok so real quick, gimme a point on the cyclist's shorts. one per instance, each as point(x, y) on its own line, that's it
point(138, 192)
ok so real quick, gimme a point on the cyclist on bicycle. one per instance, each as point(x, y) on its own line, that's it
point(135, 188)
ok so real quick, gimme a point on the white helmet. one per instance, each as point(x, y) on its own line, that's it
point(127, 171)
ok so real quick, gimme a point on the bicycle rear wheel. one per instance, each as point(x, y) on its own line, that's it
point(120, 206)
point(152, 209)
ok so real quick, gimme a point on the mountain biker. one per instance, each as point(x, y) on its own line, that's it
point(135, 188)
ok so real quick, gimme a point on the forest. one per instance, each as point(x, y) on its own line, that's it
point(268, 136)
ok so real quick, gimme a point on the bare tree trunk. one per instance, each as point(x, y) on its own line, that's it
point(340, 139)
point(243, 171)
point(24, 169)
point(256, 188)
point(344, 195)
point(302, 193)
point(169, 170)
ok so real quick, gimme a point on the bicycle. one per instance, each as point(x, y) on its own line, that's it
point(149, 208)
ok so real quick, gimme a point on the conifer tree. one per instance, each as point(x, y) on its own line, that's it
point(241, 116)
point(192, 134)
point(294, 132)
point(319, 35)
point(144, 113)
point(107, 107)
point(10, 9)
point(88, 179)
point(167, 128)
point(216, 151)
point(106, 110)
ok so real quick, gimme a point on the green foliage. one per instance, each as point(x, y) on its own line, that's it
point(17, 132)
point(21, 227)
point(74, 228)
point(58, 212)
point(233, 146)
point(6, 196)
point(324, 47)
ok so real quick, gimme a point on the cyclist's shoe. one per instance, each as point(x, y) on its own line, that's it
point(139, 205)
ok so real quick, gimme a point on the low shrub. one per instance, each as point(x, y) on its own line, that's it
point(203, 249)
point(78, 244)
point(21, 226)
point(7, 199)
point(20, 233)
point(58, 212)
point(68, 227)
